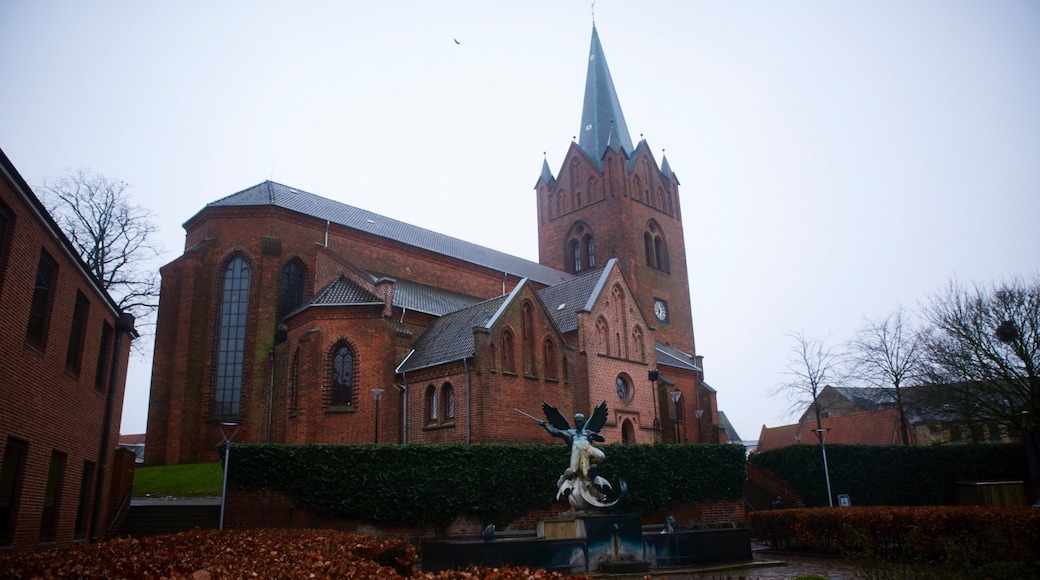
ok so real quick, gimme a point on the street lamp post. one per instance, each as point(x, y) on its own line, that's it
point(653, 375)
point(377, 393)
point(822, 434)
point(227, 462)
point(676, 395)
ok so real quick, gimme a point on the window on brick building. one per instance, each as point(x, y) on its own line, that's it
point(77, 332)
point(549, 355)
point(294, 383)
point(639, 344)
point(508, 353)
point(432, 414)
point(86, 483)
point(342, 376)
point(603, 335)
point(234, 308)
point(101, 371)
point(43, 296)
point(6, 227)
point(580, 250)
point(448, 401)
point(52, 498)
point(292, 287)
point(628, 432)
point(527, 337)
point(655, 247)
point(12, 470)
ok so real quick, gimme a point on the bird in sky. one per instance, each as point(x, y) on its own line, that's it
point(456, 41)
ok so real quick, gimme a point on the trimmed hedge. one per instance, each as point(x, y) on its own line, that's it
point(431, 484)
point(961, 535)
point(892, 474)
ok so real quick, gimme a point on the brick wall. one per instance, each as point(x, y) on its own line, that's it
point(44, 405)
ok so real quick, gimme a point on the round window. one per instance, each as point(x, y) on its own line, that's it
point(621, 386)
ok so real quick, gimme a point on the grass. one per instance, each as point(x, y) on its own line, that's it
point(188, 480)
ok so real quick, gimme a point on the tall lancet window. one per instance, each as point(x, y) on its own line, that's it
point(234, 306)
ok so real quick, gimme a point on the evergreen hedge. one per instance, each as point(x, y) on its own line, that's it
point(892, 474)
point(431, 484)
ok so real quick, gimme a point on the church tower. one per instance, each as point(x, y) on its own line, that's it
point(612, 200)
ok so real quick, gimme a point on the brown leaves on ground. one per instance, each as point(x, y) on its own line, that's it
point(218, 555)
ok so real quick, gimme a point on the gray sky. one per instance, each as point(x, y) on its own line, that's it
point(837, 159)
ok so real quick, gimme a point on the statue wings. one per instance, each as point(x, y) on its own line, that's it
point(597, 421)
point(556, 419)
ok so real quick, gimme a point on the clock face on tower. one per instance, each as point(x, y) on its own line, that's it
point(660, 310)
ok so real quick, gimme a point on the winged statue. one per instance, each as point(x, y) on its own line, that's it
point(579, 483)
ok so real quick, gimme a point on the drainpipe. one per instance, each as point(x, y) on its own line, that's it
point(404, 387)
point(270, 393)
point(469, 405)
point(124, 325)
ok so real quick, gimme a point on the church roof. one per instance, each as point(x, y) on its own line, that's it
point(673, 357)
point(408, 294)
point(450, 337)
point(602, 123)
point(343, 291)
point(565, 300)
point(276, 194)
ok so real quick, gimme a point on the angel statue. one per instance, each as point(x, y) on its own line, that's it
point(579, 482)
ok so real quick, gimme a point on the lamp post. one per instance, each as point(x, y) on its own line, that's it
point(227, 462)
point(676, 395)
point(653, 375)
point(822, 434)
point(377, 393)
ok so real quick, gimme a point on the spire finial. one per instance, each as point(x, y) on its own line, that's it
point(593, 9)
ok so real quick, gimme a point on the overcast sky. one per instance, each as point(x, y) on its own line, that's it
point(837, 159)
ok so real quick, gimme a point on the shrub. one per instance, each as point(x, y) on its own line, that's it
point(962, 536)
point(431, 484)
point(891, 474)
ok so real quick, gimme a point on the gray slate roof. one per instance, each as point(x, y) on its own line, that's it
point(343, 291)
point(450, 337)
point(407, 294)
point(565, 300)
point(276, 194)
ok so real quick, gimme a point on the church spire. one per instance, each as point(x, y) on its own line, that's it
point(601, 117)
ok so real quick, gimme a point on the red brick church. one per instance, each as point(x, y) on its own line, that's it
point(306, 320)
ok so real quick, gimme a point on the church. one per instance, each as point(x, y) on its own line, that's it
point(292, 318)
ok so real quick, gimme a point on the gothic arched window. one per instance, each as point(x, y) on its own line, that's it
point(294, 383)
point(342, 376)
point(549, 354)
point(508, 354)
point(448, 399)
point(292, 287)
point(527, 337)
point(432, 414)
point(656, 248)
point(234, 308)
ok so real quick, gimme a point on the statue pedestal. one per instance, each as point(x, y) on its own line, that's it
point(614, 541)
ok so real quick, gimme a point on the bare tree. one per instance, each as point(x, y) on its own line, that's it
point(113, 236)
point(889, 355)
point(812, 365)
point(986, 348)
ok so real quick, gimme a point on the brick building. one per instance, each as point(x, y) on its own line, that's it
point(63, 356)
point(304, 319)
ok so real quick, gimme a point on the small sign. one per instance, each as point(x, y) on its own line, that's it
point(844, 500)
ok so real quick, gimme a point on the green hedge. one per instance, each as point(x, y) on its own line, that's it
point(431, 484)
point(892, 474)
point(962, 535)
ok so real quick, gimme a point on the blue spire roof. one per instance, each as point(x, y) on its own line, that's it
point(602, 123)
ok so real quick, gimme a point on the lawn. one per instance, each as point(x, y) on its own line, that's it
point(188, 480)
